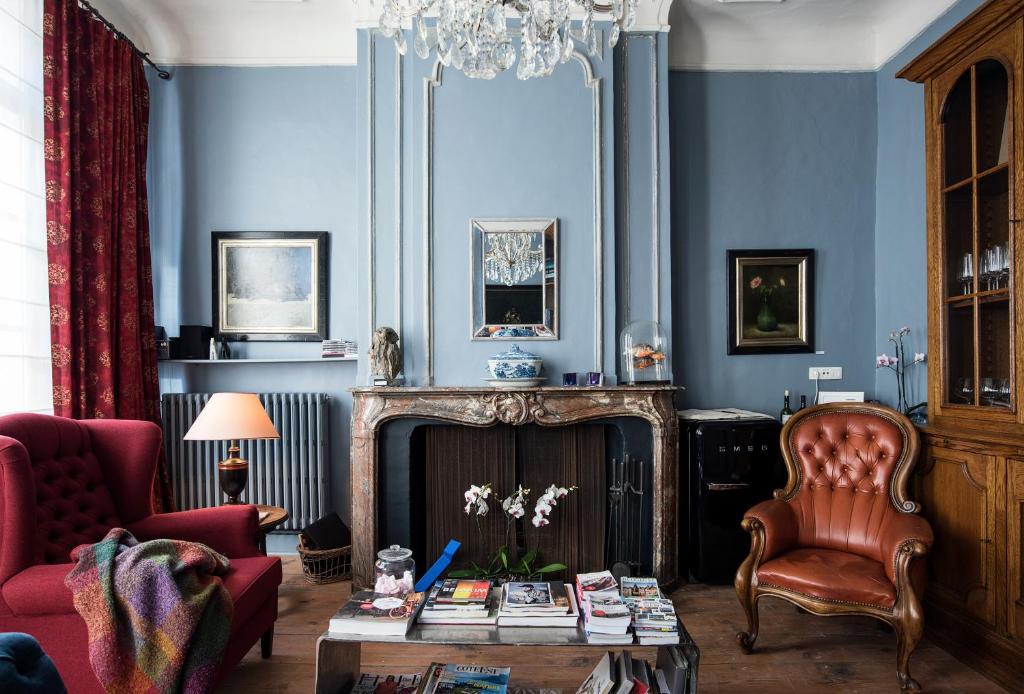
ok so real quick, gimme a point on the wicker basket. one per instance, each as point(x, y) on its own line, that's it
point(325, 565)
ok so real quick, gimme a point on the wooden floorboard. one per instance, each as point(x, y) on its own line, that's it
point(796, 652)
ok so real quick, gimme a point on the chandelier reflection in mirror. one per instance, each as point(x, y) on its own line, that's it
point(513, 257)
point(473, 35)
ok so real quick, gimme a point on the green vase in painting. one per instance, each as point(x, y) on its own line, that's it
point(766, 320)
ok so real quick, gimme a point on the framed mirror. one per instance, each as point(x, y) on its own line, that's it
point(514, 279)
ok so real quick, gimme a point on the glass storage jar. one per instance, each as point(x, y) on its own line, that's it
point(395, 571)
point(644, 353)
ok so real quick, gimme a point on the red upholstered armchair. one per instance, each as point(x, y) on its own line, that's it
point(65, 482)
point(842, 537)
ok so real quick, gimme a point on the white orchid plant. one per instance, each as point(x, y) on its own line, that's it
point(505, 563)
point(901, 366)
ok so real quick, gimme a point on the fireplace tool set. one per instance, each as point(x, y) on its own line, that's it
point(626, 496)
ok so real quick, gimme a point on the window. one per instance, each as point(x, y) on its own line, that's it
point(25, 379)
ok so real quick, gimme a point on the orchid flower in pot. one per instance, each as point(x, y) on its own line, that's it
point(902, 367)
point(507, 562)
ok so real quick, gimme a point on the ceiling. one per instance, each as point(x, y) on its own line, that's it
point(811, 35)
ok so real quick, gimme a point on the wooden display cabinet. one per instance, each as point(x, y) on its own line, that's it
point(970, 480)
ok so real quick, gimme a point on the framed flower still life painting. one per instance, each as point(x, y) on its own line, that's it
point(771, 301)
point(270, 285)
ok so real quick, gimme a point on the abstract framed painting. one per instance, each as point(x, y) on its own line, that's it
point(771, 301)
point(270, 285)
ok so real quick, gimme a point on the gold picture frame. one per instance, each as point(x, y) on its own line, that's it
point(771, 301)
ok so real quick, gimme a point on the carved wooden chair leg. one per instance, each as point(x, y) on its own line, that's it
point(746, 638)
point(906, 642)
point(746, 583)
point(908, 617)
point(267, 643)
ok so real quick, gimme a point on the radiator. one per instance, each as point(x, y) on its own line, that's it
point(291, 472)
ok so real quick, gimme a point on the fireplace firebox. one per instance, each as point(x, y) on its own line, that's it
point(415, 450)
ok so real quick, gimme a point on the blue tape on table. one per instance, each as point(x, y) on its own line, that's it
point(439, 567)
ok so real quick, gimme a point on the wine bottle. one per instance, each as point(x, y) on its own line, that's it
point(803, 402)
point(787, 412)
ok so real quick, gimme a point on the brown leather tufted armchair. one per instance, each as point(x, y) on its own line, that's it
point(842, 537)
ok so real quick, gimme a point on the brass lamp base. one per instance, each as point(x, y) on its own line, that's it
point(233, 474)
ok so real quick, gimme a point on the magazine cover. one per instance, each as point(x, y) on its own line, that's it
point(386, 684)
point(455, 591)
point(597, 581)
point(640, 588)
point(606, 605)
point(370, 609)
point(602, 679)
point(528, 595)
point(469, 679)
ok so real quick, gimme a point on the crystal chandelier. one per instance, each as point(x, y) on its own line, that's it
point(473, 35)
point(510, 258)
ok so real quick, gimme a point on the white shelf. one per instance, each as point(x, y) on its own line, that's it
point(307, 360)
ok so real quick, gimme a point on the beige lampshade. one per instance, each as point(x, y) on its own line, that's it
point(230, 416)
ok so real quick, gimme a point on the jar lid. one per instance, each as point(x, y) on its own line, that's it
point(515, 354)
point(394, 553)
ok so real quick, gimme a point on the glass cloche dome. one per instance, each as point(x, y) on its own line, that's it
point(644, 353)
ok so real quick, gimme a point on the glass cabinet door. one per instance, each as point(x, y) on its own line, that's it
point(977, 207)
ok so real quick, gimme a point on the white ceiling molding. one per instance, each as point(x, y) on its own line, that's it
point(795, 35)
point(239, 32)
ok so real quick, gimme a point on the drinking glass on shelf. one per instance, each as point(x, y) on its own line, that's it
point(1004, 265)
point(988, 391)
point(964, 390)
point(996, 260)
point(967, 272)
point(1003, 397)
point(985, 271)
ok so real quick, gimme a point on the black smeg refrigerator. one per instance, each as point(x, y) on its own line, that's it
point(729, 461)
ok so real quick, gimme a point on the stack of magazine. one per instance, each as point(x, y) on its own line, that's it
point(653, 616)
point(606, 617)
point(537, 604)
point(445, 678)
point(456, 602)
point(623, 674)
point(367, 612)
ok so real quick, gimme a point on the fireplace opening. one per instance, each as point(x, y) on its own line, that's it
point(426, 466)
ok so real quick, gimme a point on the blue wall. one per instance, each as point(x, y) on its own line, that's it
point(438, 148)
point(255, 149)
point(900, 220)
point(772, 160)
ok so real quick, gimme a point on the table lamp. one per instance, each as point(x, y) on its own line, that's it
point(231, 417)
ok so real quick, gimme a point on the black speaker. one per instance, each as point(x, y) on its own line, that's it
point(195, 342)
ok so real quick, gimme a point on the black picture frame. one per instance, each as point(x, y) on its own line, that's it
point(318, 284)
point(792, 312)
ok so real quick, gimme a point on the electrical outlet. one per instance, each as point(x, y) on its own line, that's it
point(825, 373)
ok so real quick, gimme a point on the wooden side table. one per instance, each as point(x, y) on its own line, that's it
point(275, 516)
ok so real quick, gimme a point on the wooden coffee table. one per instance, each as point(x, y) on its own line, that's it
point(275, 516)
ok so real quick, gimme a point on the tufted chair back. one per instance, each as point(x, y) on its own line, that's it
point(848, 466)
point(72, 503)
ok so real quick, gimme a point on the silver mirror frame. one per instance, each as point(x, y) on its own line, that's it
point(527, 224)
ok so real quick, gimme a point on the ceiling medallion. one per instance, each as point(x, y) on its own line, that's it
point(473, 35)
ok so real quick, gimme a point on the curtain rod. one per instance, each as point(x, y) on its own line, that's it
point(161, 73)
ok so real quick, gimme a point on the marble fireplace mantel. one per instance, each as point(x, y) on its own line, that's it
point(481, 407)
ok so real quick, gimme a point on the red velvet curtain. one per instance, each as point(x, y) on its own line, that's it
point(96, 110)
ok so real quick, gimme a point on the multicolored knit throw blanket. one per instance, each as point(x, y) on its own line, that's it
point(158, 615)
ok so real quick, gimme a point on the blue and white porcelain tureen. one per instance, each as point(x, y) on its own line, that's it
point(515, 363)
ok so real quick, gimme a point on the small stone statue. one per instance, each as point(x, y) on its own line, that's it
point(385, 355)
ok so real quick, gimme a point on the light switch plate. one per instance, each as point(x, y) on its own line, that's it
point(825, 373)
